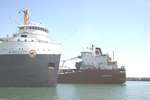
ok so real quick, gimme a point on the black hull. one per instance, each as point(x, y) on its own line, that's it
point(23, 70)
point(93, 76)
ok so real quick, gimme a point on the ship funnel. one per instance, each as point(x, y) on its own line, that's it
point(98, 51)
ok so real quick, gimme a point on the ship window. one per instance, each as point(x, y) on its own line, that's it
point(24, 36)
point(25, 27)
point(40, 28)
point(21, 28)
point(14, 35)
point(18, 40)
point(25, 40)
point(36, 28)
point(47, 31)
point(51, 66)
point(32, 27)
point(32, 40)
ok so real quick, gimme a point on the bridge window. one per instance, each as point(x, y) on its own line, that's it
point(21, 28)
point(35, 28)
point(30, 27)
point(24, 36)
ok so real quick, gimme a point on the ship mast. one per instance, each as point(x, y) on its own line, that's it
point(113, 56)
point(26, 16)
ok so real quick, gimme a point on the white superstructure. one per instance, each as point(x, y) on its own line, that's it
point(93, 58)
point(28, 57)
point(29, 38)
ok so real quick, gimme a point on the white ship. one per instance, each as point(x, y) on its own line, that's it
point(29, 57)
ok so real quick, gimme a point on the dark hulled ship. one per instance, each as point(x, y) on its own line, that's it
point(94, 67)
point(28, 57)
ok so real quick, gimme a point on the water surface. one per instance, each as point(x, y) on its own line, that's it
point(129, 91)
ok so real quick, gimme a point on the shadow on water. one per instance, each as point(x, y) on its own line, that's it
point(62, 92)
point(28, 93)
point(127, 91)
point(90, 91)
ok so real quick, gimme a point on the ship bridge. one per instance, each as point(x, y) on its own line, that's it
point(33, 32)
point(30, 36)
point(29, 32)
point(33, 27)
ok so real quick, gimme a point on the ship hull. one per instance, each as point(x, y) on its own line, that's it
point(24, 70)
point(93, 76)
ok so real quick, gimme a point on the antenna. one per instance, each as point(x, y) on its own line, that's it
point(113, 56)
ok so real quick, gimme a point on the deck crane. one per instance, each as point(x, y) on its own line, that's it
point(70, 59)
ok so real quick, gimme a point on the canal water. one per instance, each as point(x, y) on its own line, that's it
point(131, 90)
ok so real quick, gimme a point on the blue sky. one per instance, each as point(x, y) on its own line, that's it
point(122, 26)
